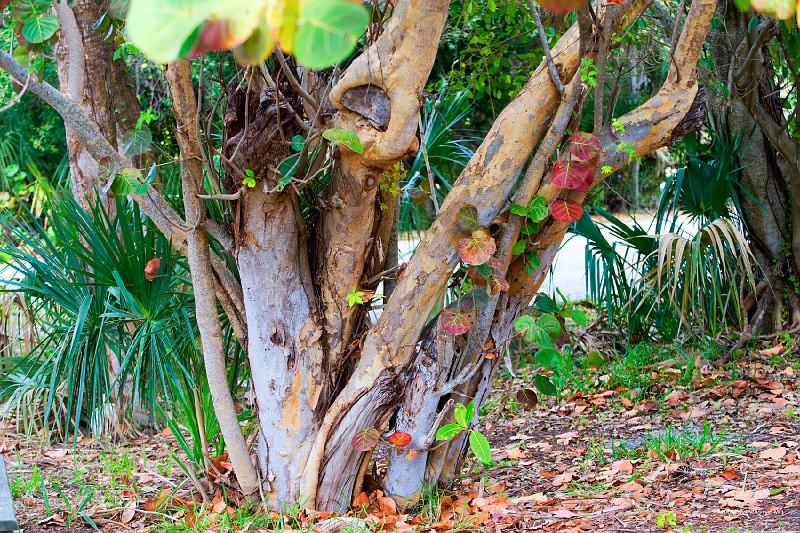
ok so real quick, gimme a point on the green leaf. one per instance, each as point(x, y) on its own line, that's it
point(298, 141)
point(126, 181)
point(579, 317)
point(345, 137)
point(518, 248)
point(480, 447)
point(460, 414)
point(544, 385)
point(544, 303)
point(526, 326)
point(468, 218)
point(548, 357)
point(519, 210)
point(328, 32)
point(538, 209)
point(550, 325)
point(38, 29)
point(448, 431)
point(530, 228)
point(167, 29)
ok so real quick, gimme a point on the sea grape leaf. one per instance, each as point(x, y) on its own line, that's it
point(345, 137)
point(584, 146)
point(477, 248)
point(567, 211)
point(455, 321)
point(570, 174)
point(399, 439)
point(328, 32)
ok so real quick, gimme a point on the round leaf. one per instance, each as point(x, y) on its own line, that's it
point(399, 439)
point(478, 248)
point(538, 209)
point(38, 29)
point(328, 32)
point(566, 211)
point(526, 326)
point(527, 397)
point(572, 175)
point(584, 146)
point(455, 321)
point(550, 325)
point(468, 218)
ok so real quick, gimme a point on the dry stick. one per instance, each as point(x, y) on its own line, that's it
point(601, 71)
point(551, 66)
point(424, 148)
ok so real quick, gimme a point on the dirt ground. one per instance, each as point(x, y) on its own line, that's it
point(714, 449)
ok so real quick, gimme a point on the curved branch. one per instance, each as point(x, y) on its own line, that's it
point(199, 255)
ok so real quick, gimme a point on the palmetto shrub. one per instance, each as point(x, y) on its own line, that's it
point(692, 274)
point(108, 337)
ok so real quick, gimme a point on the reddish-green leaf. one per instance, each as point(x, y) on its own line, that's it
point(366, 439)
point(498, 283)
point(570, 174)
point(561, 7)
point(468, 218)
point(399, 439)
point(584, 146)
point(455, 321)
point(566, 211)
point(477, 248)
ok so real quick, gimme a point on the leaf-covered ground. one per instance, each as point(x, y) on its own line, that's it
point(656, 443)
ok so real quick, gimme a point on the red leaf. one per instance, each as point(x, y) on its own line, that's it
point(584, 146)
point(569, 174)
point(478, 248)
point(561, 7)
point(566, 211)
point(366, 439)
point(615, 1)
point(151, 269)
point(455, 321)
point(399, 439)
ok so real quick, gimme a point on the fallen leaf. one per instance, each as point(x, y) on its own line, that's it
point(774, 454)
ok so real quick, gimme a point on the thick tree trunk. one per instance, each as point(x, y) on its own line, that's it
point(770, 179)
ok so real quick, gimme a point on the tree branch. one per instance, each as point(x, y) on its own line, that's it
point(199, 255)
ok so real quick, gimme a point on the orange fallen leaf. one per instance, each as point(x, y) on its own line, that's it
point(730, 474)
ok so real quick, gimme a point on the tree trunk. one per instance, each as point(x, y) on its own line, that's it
point(770, 180)
point(101, 87)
